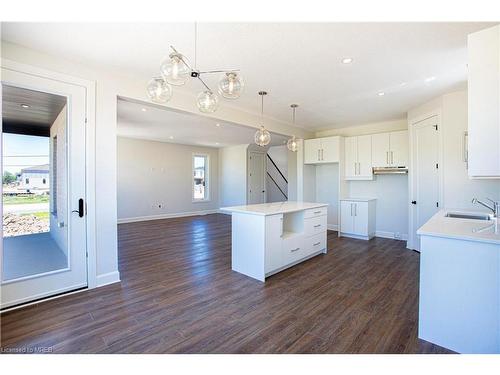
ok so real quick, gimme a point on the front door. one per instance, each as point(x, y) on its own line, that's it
point(43, 248)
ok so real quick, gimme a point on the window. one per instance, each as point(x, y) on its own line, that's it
point(53, 186)
point(44, 181)
point(200, 178)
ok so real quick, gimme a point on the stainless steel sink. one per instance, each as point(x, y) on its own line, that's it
point(457, 215)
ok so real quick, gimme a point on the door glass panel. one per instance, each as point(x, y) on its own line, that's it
point(34, 167)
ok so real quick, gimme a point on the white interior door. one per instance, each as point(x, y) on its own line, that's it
point(48, 257)
point(425, 201)
point(256, 178)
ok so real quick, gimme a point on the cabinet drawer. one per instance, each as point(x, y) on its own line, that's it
point(315, 243)
point(293, 249)
point(313, 212)
point(314, 225)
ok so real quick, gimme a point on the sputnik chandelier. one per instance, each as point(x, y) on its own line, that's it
point(175, 70)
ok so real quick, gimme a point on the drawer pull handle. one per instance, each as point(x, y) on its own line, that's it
point(294, 250)
point(317, 243)
point(317, 226)
point(317, 212)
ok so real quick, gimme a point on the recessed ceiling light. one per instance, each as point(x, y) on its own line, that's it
point(143, 109)
point(25, 106)
point(430, 79)
point(217, 143)
point(381, 93)
point(218, 125)
point(347, 60)
point(402, 84)
point(171, 137)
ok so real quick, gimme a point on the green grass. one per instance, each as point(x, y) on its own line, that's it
point(43, 215)
point(8, 199)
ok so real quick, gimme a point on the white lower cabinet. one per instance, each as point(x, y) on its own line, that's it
point(357, 218)
point(292, 237)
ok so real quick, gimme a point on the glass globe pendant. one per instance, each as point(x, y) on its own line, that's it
point(262, 137)
point(207, 102)
point(231, 85)
point(292, 144)
point(174, 70)
point(159, 91)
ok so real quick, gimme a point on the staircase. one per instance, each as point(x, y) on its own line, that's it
point(276, 182)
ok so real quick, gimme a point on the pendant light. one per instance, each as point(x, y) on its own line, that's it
point(207, 101)
point(292, 143)
point(174, 69)
point(262, 136)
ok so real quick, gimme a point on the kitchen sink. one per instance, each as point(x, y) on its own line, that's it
point(458, 215)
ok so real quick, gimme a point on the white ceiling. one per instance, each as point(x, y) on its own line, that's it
point(294, 62)
point(147, 121)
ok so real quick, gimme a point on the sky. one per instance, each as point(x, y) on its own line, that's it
point(34, 151)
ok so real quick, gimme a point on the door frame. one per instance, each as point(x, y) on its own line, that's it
point(412, 235)
point(90, 104)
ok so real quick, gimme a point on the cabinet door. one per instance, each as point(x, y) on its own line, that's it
point(311, 151)
point(399, 149)
point(483, 50)
point(346, 217)
point(360, 214)
point(350, 156)
point(380, 150)
point(365, 156)
point(274, 258)
point(329, 150)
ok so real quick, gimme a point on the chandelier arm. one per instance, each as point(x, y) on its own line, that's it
point(204, 84)
point(183, 58)
point(219, 71)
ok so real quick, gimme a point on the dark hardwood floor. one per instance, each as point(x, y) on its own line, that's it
point(179, 295)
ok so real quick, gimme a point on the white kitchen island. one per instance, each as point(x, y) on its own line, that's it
point(268, 238)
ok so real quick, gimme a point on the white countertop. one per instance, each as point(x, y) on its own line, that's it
point(362, 199)
point(461, 229)
point(265, 209)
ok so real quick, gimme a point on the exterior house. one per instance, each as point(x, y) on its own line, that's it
point(35, 179)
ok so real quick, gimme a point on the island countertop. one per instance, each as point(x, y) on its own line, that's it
point(266, 209)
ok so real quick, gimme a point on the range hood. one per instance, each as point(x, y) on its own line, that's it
point(390, 170)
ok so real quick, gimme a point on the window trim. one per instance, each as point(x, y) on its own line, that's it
point(207, 177)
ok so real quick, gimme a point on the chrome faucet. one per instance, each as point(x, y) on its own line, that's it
point(495, 206)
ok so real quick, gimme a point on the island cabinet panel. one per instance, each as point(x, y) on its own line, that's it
point(274, 253)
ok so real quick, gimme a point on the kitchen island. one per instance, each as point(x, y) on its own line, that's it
point(459, 304)
point(270, 237)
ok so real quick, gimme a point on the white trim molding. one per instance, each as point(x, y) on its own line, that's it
point(391, 235)
point(166, 216)
point(332, 227)
point(108, 278)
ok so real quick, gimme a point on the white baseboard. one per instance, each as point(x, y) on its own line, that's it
point(166, 216)
point(332, 227)
point(391, 235)
point(108, 278)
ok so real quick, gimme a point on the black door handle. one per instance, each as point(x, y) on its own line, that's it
point(81, 210)
point(413, 202)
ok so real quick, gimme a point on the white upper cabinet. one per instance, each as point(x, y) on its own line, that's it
point(390, 149)
point(358, 158)
point(321, 150)
point(483, 49)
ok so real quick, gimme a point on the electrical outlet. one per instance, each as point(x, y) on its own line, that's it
point(397, 236)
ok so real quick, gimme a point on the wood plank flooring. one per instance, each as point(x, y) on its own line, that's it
point(179, 295)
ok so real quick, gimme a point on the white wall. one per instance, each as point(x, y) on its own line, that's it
point(458, 189)
point(327, 191)
point(362, 129)
point(279, 154)
point(153, 174)
point(233, 175)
